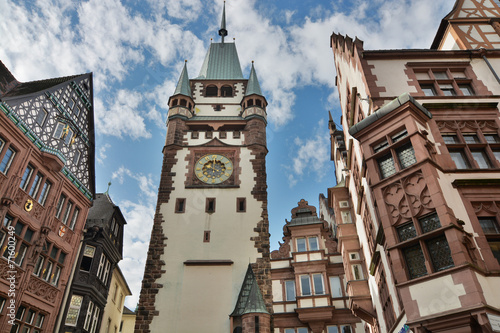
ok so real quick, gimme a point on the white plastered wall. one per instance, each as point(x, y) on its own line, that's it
point(191, 293)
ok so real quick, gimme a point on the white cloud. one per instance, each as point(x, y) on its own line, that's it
point(120, 115)
point(311, 156)
point(102, 153)
point(139, 215)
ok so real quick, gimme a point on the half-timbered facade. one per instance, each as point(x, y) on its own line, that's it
point(46, 188)
point(418, 167)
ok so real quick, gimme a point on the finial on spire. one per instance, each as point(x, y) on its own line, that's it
point(222, 30)
point(107, 191)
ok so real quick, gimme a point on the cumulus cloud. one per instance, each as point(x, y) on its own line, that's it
point(311, 156)
point(139, 214)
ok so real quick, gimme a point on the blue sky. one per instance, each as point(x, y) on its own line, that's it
point(136, 50)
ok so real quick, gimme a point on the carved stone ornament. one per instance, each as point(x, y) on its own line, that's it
point(490, 207)
point(42, 289)
point(284, 250)
point(407, 197)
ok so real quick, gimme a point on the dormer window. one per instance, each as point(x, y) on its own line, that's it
point(211, 91)
point(307, 244)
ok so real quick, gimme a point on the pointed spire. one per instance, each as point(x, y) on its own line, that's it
point(222, 30)
point(183, 87)
point(253, 86)
point(250, 299)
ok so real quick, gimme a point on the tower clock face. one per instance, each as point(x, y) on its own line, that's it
point(213, 168)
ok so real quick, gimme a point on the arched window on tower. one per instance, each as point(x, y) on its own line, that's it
point(211, 91)
point(226, 91)
point(258, 103)
point(183, 102)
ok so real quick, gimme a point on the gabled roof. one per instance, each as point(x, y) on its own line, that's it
point(253, 86)
point(10, 87)
point(250, 298)
point(221, 63)
point(183, 87)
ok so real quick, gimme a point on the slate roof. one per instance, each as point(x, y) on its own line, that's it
point(250, 298)
point(102, 210)
point(183, 87)
point(221, 63)
point(253, 86)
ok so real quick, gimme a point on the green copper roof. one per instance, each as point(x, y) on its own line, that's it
point(183, 87)
point(250, 299)
point(253, 86)
point(221, 63)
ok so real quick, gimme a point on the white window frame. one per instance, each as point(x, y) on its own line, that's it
point(290, 283)
point(303, 279)
point(346, 216)
point(359, 270)
point(336, 287)
point(321, 281)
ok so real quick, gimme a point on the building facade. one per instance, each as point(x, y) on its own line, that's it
point(92, 286)
point(417, 162)
point(115, 309)
point(211, 215)
point(46, 189)
point(308, 277)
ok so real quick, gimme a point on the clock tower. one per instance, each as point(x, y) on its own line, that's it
point(208, 261)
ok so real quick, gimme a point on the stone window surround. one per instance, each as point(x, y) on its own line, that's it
point(392, 146)
point(477, 85)
point(468, 129)
point(420, 239)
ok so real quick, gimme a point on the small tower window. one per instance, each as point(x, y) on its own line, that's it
point(180, 205)
point(258, 103)
point(206, 236)
point(241, 205)
point(211, 91)
point(175, 102)
point(250, 102)
point(210, 205)
point(226, 91)
point(183, 102)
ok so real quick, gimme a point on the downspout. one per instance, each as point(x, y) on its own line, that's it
point(491, 68)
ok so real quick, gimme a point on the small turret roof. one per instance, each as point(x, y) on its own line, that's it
point(250, 299)
point(253, 86)
point(183, 87)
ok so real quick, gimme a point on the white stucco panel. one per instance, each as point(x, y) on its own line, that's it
point(490, 289)
point(437, 295)
point(277, 291)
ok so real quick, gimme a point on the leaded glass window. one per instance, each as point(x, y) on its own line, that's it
point(386, 165)
point(489, 225)
point(406, 155)
point(398, 136)
point(429, 223)
point(440, 253)
point(415, 261)
point(406, 231)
